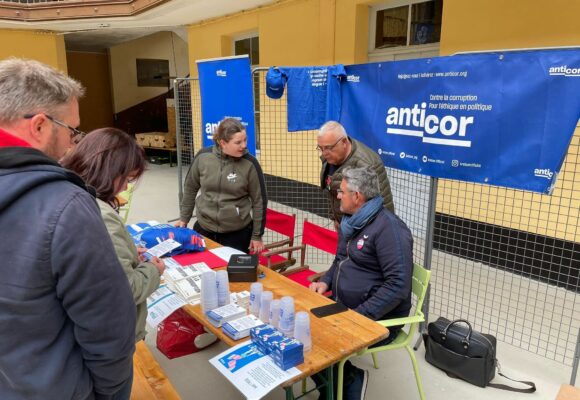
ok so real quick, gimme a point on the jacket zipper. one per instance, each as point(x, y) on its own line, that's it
point(222, 162)
point(339, 267)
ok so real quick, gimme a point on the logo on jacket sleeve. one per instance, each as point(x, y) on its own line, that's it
point(232, 176)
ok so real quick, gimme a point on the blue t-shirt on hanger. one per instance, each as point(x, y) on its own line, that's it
point(313, 96)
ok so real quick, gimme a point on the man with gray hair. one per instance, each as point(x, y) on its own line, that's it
point(67, 312)
point(339, 151)
point(372, 270)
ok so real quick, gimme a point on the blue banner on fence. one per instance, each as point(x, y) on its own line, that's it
point(504, 119)
point(226, 91)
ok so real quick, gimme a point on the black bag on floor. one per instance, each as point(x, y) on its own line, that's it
point(464, 353)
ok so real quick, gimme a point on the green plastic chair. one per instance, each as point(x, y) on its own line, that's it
point(420, 282)
point(125, 197)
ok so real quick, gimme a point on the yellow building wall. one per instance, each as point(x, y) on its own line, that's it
point(517, 24)
point(92, 70)
point(292, 33)
point(161, 45)
point(45, 47)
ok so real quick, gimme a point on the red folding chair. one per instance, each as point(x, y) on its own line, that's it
point(285, 225)
point(315, 236)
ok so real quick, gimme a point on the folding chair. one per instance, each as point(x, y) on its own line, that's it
point(314, 236)
point(124, 199)
point(420, 282)
point(285, 225)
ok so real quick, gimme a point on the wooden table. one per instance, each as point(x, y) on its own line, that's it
point(333, 337)
point(149, 380)
point(170, 150)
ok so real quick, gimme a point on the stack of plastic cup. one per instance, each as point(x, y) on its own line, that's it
point(265, 302)
point(302, 330)
point(223, 288)
point(287, 316)
point(255, 298)
point(275, 313)
point(209, 295)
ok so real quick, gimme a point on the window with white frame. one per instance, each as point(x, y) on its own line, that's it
point(409, 25)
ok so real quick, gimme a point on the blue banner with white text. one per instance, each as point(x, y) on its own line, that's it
point(226, 91)
point(503, 119)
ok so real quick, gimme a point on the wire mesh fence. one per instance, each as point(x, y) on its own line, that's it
point(506, 260)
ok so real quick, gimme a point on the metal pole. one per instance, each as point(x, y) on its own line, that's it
point(176, 98)
point(576, 360)
point(428, 252)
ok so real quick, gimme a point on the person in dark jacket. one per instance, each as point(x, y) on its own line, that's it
point(338, 151)
point(372, 270)
point(68, 317)
point(232, 201)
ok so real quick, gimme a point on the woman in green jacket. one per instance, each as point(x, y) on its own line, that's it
point(109, 159)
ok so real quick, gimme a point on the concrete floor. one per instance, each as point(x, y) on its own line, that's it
point(156, 198)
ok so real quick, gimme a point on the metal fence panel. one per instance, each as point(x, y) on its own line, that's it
point(506, 260)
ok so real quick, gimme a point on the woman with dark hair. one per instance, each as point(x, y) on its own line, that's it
point(232, 201)
point(108, 159)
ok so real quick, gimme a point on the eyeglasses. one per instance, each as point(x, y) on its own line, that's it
point(329, 148)
point(75, 134)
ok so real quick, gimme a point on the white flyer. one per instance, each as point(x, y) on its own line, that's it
point(225, 252)
point(161, 304)
point(162, 248)
point(250, 371)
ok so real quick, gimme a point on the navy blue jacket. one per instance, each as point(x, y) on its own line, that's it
point(372, 271)
point(67, 316)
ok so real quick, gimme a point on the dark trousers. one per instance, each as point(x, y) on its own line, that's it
point(351, 388)
point(239, 240)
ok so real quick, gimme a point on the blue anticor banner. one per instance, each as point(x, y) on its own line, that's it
point(503, 119)
point(226, 91)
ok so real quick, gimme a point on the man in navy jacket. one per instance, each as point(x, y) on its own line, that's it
point(372, 270)
point(67, 313)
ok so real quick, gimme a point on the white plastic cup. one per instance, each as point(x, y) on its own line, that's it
point(275, 313)
point(287, 316)
point(223, 288)
point(302, 330)
point(209, 296)
point(265, 302)
point(256, 289)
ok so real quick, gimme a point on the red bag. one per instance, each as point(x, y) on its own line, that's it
point(176, 334)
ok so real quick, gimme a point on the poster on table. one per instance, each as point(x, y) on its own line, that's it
point(504, 118)
point(226, 91)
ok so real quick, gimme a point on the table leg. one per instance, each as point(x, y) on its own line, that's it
point(329, 383)
point(289, 393)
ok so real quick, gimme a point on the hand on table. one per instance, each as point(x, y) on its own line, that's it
point(319, 287)
point(256, 247)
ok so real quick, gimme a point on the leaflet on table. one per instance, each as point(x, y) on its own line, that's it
point(225, 252)
point(178, 272)
point(250, 371)
point(160, 304)
point(161, 249)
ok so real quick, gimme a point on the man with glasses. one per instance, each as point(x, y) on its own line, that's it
point(339, 151)
point(371, 273)
point(67, 312)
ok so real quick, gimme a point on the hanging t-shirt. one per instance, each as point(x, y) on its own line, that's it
point(313, 96)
